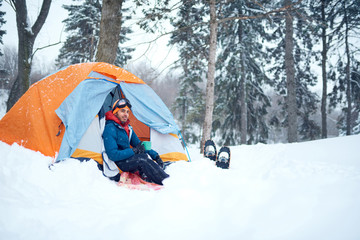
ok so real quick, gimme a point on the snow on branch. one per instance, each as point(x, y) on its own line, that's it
point(267, 14)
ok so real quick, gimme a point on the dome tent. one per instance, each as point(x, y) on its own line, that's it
point(62, 115)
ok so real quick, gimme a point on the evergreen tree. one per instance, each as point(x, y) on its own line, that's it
point(339, 92)
point(2, 22)
point(322, 33)
point(355, 92)
point(306, 101)
point(345, 25)
point(192, 46)
point(241, 102)
point(83, 28)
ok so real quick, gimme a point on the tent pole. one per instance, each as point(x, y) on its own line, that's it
point(185, 146)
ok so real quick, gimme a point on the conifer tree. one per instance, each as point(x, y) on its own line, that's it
point(202, 31)
point(241, 102)
point(192, 46)
point(83, 28)
point(345, 25)
point(2, 21)
point(305, 100)
point(355, 92)
point(322, 35)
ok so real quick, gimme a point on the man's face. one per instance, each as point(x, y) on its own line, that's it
point(123, 114)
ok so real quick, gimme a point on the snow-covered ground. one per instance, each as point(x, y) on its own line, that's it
point(295, 191)
point(300, 191)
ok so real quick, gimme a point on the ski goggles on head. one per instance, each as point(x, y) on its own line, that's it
point(121, 103)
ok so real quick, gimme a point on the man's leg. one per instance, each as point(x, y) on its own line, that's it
point(141, 162)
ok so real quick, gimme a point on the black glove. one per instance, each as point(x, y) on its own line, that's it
point(139, 149)
point(159, 161)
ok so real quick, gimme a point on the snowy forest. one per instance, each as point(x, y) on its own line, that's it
point(247, 71)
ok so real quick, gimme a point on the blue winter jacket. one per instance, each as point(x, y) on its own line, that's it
point(117, 142)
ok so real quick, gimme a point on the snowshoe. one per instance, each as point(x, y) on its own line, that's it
point(223, 159)
point(210, 150)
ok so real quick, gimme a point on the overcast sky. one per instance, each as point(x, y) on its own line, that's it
point(53, 32)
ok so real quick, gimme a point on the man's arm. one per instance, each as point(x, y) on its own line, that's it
point(134, 141)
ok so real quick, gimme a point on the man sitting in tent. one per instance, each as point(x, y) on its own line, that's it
point(119, 136)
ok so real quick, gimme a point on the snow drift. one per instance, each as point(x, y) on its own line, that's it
point(283, 191)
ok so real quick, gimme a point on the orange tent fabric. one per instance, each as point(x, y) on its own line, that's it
point(32, 121)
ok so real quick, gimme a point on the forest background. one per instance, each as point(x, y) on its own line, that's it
point(267, 71)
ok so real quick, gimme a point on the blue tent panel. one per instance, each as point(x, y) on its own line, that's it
point(149, 108)
point(78, 111)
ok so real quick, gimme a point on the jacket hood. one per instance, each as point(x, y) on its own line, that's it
point(109, 116)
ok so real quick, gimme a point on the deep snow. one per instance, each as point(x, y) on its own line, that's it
point(294, 191)
point(299, 191)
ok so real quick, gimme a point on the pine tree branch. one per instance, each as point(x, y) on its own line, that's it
point(267, 14)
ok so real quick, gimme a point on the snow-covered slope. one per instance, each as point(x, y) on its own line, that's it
point(295, 191)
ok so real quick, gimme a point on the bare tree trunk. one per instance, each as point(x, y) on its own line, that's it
point(184, 103)
point(110, 27)
point(290, 77)
point(324, 77)
point(243, 106)
point(347, 69)
point(27, 36)
point(209, 101)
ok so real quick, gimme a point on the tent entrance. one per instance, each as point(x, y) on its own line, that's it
point(83, 114)
point(141, 129)
point(91, 144)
